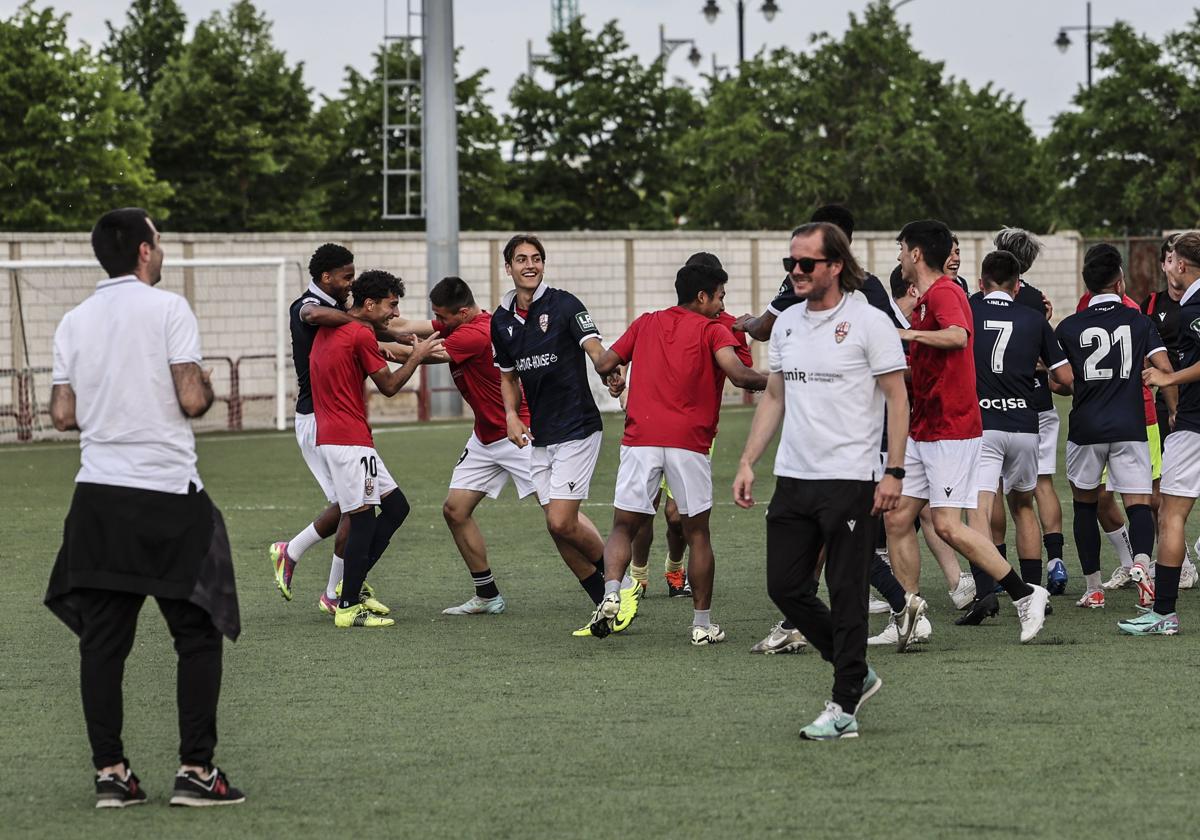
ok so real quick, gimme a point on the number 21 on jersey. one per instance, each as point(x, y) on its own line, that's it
point(1103, 341)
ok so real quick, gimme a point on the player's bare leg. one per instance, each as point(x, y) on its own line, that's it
point(457, 511)
point(946, 559)
point(1049, 511)
point(701, 571)
point(576, 537)
point(642, 542)
point(618, 550)
point(1112, 523)
point(903, 548)
point(1028, 534)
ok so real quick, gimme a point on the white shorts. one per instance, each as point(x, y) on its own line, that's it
point(486, 467)
point(942, 471)
point(306, 437)
point(1012, 456)
point(1128, 464)
point(1048, 425)
point(564, 470)
point(359, 476)
point(1181, 465)
point(688, 474)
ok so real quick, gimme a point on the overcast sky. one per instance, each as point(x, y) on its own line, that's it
point(1006, 42)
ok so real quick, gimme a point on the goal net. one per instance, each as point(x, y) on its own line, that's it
point(240, 303)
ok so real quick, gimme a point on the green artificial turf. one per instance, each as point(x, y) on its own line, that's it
point(507, 726)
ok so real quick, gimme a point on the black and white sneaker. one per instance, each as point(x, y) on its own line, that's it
point(112, 791)
point(194, 790)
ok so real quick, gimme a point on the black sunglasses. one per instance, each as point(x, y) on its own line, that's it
point(807, 264)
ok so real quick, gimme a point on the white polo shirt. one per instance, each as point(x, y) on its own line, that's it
point(833, 406)
point(115, 350)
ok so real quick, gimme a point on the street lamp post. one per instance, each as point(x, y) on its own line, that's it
point(666, 46)
point(711, 10)
point(1063, 41)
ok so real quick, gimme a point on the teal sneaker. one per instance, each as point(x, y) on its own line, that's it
point(831, 725)
point(1150, 623)
point(871, 685)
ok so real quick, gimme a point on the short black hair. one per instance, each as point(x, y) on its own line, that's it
point(701, 273)
point(117, 238)
point(900, 286)
point(1101, 267)
point(1000, 268)
point(1168, 245)
point(376, 285)
point(835, 214)
point(932, 237)
point(451, 293)
point(327, 258)
point(523, 239)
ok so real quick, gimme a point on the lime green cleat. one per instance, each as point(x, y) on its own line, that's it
point(359, 616)
point(366, 597)
point(602, 620)
point(630, 599)
point(284, 566)
point(1150, 623)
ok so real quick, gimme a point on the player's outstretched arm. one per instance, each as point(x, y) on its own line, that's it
point(606, 362)
point(62, 407)
point(1064, 377)
point(767, 418)
point(757, 328)
point(323, 316)
point(405, 330)
point(950, 338)
point(740, 375)
point(389, 382)
point(888, 490)
point(193, 388)
point(510, 390)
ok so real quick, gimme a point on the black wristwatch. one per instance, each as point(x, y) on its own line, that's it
point(895, 472)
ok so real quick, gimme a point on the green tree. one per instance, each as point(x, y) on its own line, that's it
point(234, 130)
point(594, 150)
point(1128, 161)
point(72, 143)
point(352, 128)
point(865, 121)
point(153, 32)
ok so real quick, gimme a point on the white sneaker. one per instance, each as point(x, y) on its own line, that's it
point(1032, 611)
point(906, 619)
point(1119, 580)
point(781, 640)
point(877, 607)
point(890, 634)
point(963, 594)
point(709, 635)
point(1188, 575)
point(478, 606)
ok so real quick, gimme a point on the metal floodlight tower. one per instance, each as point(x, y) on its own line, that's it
point(562, 12)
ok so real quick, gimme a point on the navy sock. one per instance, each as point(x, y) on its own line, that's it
point(885, 583)
point(485, 584)
point(1003, 549)
point(362, 528)
point(1015, 587)
point(1054, 546)
point(984, 583)
point(786, 624)
point(1031, 570)
point(1087, 536)
point(1141, 529)
point(594, 586)
point(1166, 588)
point(393, 510)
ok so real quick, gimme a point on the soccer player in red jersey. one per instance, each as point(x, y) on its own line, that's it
point(945, 434)
point(681, 357)
point(342, 357)
point(489, 459)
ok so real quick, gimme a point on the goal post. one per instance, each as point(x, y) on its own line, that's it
point(231, 297)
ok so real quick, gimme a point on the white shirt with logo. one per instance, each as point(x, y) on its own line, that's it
point(115, 350)
point(833, 406)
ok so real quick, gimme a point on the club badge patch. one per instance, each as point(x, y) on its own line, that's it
point(921, 317)
point(369, 486)
point(544, 321)
point(841, 331)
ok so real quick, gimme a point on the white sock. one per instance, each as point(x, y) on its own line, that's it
point(613, 587)
point(700, 618)
point(302, 542)
point(1092, 581)
point(1120, 543)
point(335, 577)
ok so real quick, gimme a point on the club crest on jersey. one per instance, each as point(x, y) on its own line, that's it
point(921, 316)
point(544, 321)
point(369, 486)
point(841, 331)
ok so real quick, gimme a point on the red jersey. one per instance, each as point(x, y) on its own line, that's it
point(945, 405)
point(341, 358)
point(469, 347)
point(1147, 395)
point(675, 394)
point(743, 347)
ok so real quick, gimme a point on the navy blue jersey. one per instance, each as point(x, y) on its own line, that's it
point(545, 349)
point(1009, 341)
point(1033, 298)
point(302, 342)
point(1187, 353)
point(872, 289)
point(1107, 344)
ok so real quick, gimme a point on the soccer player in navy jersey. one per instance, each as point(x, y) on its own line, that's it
point(1107, 344)
point(1010, 340)
point(1181, 458)
point(543, 339)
